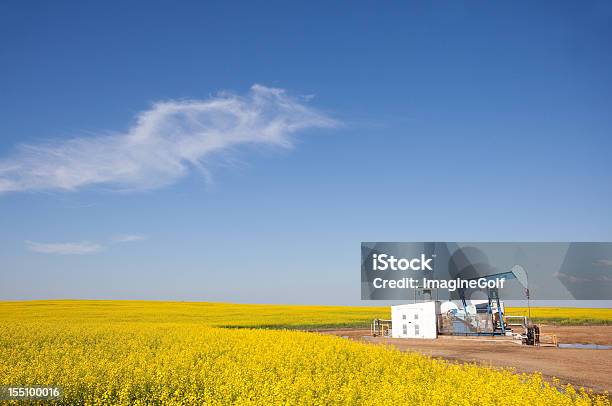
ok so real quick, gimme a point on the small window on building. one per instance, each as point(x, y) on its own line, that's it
point(416, 329)
point(405, 329)
point(416, 316)
point(403, 316)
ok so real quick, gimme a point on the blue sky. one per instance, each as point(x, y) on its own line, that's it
point(398, 122)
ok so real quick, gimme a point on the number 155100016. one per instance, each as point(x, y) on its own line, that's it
point(30, 392)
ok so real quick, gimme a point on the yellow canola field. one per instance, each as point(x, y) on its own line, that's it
point(210, 314)
point(137, 353)
point(566, 315)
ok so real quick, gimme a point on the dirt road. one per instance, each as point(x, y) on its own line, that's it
point(580, 367)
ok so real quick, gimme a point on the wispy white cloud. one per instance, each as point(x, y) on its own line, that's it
point(166, 142)
point(603, 262)
point(68, 248)
point(129, 238)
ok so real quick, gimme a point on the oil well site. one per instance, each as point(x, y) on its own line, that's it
point(482, 332)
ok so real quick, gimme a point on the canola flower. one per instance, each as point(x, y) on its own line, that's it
point(135, 353)
point(565, 315)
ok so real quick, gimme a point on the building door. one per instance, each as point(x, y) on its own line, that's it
point(406, 324)
point(411, 324)
point(417, 324)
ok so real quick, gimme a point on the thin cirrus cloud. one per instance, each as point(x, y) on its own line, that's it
point(68, 248)
point(79, 248)
point(603, 262)
point(165, 144)
point(128, 238)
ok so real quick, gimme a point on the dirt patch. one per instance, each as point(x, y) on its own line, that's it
point(580, 367)
point(581, 334)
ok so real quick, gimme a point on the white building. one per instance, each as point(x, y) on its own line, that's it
point(415, 320)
